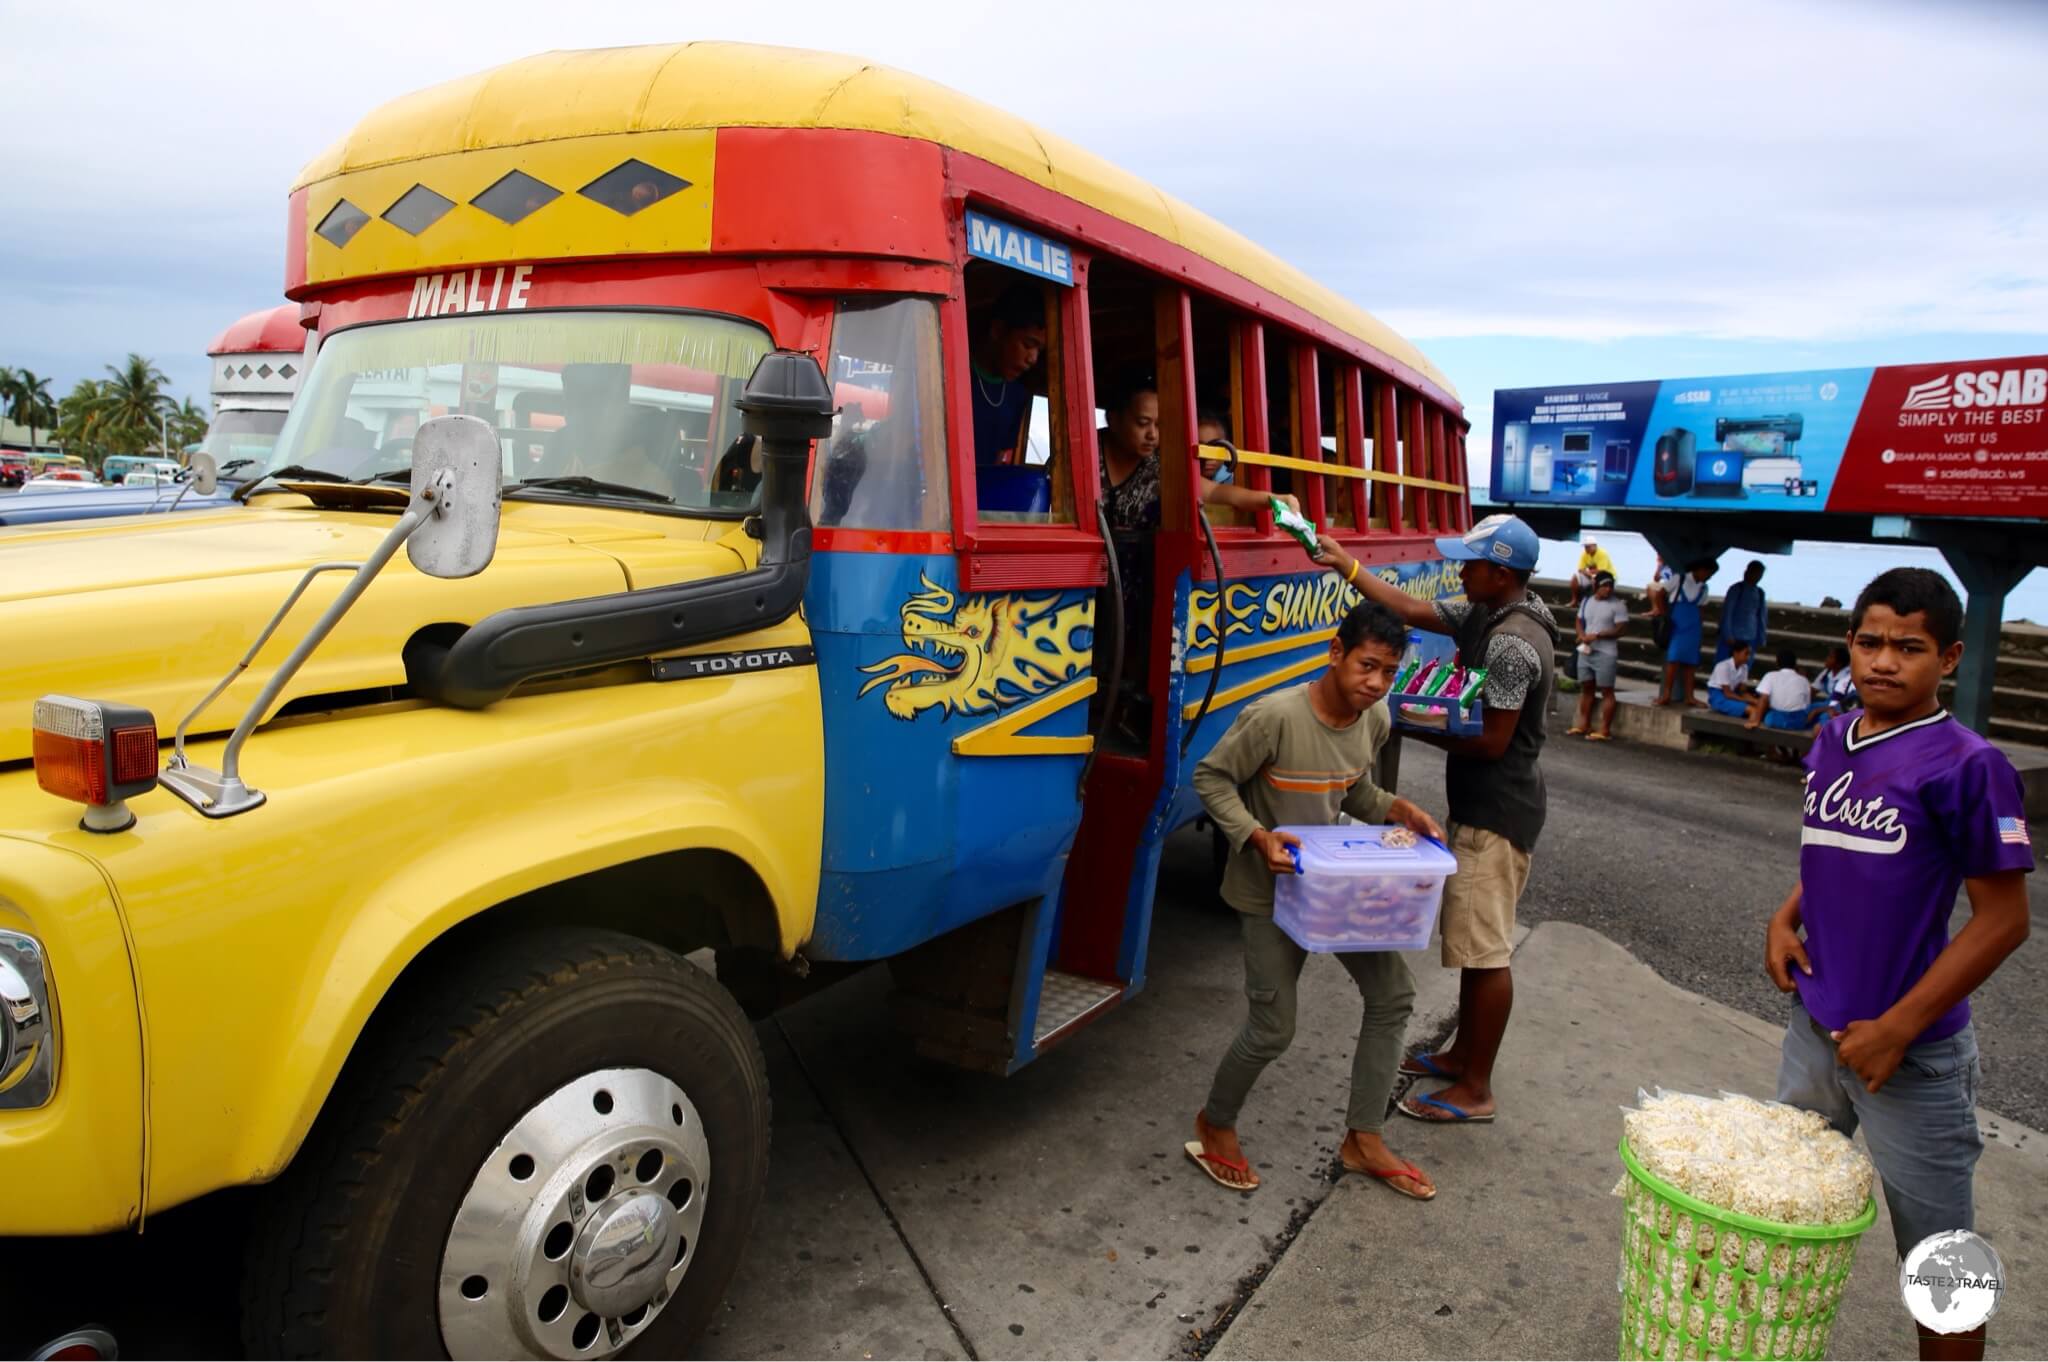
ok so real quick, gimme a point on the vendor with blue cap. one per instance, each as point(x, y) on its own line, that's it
point(1493, 785)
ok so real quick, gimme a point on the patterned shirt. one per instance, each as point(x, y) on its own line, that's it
point(1133, 504)
point(1511, 664)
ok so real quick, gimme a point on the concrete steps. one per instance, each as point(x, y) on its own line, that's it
point(2020, 684)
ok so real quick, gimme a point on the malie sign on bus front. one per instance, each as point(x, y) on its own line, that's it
point(1968, 438)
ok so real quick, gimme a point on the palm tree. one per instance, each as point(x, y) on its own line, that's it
point(188, 424)
point(133, 400)
point(79, 417)
point(28, 402)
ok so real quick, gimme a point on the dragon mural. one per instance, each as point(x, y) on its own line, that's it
point(977, 654)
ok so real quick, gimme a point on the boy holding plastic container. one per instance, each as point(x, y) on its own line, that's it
point(1903, 806)
point(1302, 756)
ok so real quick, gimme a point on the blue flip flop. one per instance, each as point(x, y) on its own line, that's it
point(1430, 1068)
point(1458, 1116)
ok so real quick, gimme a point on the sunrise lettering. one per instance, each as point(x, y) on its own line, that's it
point(1314, 604)
point(479, 290)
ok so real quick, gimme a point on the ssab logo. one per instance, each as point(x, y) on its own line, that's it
point(1986, 388)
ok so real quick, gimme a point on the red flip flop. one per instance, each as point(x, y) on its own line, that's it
point(1387, 1175)
point(1209, 1163)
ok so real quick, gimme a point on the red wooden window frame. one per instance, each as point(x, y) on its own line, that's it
point(1002, 556)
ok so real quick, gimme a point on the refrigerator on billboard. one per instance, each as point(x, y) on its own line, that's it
point(1514, 460)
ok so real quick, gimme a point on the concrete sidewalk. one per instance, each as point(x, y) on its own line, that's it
point(914, 1210)
point(1517, 1256)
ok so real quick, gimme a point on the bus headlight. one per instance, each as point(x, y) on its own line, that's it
point(28, 1024)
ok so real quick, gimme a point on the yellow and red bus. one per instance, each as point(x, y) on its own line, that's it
point(423, 948)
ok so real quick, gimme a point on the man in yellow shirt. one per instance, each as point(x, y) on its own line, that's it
point(1593, 561)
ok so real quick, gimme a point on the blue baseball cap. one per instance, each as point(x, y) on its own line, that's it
point(1505, 540)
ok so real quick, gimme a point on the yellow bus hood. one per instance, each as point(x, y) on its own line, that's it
point(153, 612)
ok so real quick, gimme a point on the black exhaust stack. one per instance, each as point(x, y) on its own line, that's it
point(786, 405)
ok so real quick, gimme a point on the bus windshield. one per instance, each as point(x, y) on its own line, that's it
point(640, 400)
point(243, 434)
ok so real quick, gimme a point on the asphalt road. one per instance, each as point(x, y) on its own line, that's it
point(1682, 857)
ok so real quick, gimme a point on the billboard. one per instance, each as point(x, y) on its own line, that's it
point(1966, 438)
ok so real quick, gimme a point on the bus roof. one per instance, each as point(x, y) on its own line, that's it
point(667, 88)
point(274, 328)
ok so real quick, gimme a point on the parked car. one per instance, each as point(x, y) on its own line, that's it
point(60, 482)
point(91, 501)
point(13, 470)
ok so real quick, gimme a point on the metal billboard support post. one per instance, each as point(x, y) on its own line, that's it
point(1987, 578)
point(1680, 551)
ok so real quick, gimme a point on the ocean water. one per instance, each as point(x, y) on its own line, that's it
point(1811, 572)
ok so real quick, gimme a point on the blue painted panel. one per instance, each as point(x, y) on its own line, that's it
point(918, 840)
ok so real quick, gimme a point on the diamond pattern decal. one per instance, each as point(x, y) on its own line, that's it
point(245, 371)
point(288, 371)
point(341, 224)
point(417, 209)
point(632, 186)
point(515, 196)
point(263, 371)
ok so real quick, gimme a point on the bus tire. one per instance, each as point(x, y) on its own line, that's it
point(415, 1220)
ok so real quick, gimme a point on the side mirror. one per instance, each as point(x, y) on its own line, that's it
point(205, 474)
point(460, 536)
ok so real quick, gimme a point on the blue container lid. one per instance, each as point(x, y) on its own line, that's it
point(1354, 851)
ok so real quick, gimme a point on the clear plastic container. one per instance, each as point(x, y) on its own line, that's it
point(1352, 893)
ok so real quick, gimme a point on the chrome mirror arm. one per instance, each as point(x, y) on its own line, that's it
point(222, 794)
point(234, 673)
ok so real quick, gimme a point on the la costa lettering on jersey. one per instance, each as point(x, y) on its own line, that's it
point(497, 288)
point(1846, 819)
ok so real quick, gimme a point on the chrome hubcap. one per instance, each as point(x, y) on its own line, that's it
point(579, 1227)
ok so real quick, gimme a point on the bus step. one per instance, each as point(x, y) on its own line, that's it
point(1067, 1000)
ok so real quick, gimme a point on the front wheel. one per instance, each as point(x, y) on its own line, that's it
point(556, 1153)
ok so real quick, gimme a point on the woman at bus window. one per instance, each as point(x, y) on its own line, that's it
point(1130, 466)
point(1129, 446)
point(1010, 343)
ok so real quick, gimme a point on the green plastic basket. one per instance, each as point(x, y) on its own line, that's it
point(1698, 1282)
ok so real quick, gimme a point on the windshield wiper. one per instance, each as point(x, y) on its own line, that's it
point(292, 471)
point(389, 475)
point(232, 464)
point(579, 483)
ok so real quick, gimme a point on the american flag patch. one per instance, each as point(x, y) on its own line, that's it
point(2012, 830)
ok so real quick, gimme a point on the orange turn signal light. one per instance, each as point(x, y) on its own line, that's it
point(93, 753)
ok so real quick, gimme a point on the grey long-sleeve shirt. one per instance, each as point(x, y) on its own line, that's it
point(1281, 765)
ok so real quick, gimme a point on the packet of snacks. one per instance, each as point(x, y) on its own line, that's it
point(1762, 1159)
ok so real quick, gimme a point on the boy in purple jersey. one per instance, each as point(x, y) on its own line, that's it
point(1903, 807)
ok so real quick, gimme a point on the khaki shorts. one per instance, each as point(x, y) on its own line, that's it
point(1479, 901)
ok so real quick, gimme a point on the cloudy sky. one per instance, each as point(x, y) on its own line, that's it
point(1536, 193)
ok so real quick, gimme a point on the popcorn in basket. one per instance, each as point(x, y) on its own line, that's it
point(1750, 1213)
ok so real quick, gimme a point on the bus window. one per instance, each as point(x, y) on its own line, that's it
point(884, 467)
point(1339, 509)
point(1282, 407)
point(1022, 472)
point(1219, 408)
